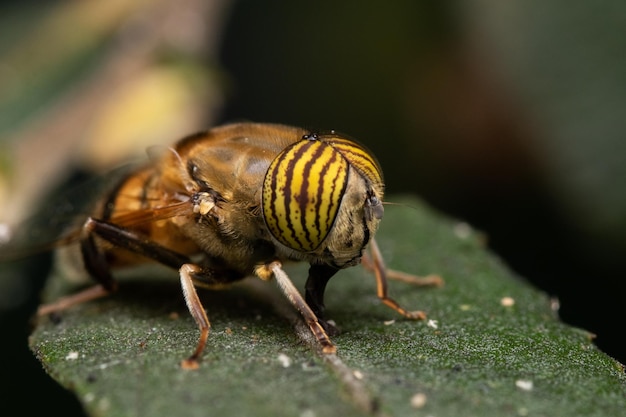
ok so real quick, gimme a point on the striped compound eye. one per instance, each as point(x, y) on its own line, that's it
point(304, 186)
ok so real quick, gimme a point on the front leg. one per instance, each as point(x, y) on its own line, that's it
point(319, 275)
point(274, 269)
point(192, 275)
point(197, 311)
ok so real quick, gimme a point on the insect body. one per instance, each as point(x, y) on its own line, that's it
point(241, 200)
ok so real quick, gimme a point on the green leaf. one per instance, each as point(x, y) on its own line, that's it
point(475, 355)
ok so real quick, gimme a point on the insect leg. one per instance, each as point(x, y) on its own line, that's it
point(319, 275)
point(432, 280)
point(197, 312)
point(98, 268)
point(131, 241)
point(63, 303)
point(294, 297)
point(381, 285)
point(96, 263)
point(190, 276)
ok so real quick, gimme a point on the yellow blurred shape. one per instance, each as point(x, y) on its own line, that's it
point(157, 106)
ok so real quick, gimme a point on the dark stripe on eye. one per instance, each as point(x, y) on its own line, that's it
point(304, 200)
point(269, 206)
point(321, 193)
point(288, 175)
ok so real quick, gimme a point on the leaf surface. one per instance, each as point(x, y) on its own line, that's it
point(491, 345)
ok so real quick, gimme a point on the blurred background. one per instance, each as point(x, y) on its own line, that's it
point(508, 115)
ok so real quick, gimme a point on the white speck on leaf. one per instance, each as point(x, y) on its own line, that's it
point(462, 230)
point(418, 400)
point(284, 360)
point(73, 355)
point(507, 301)
point(308, 413)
